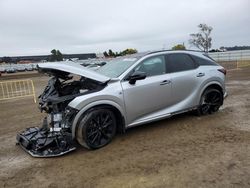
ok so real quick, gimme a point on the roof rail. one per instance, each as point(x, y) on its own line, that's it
point(157, 51)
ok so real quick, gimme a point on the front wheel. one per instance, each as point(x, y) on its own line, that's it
point(97, 128)
point(210, 102)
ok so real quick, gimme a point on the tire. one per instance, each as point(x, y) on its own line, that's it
point(96, 128)
point(210, 102)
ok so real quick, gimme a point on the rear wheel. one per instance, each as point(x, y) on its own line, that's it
point(210, 102)
point(97, 128)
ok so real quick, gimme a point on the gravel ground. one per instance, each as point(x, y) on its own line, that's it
point(183, 151)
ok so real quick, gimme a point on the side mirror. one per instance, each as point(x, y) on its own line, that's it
point(137, 75)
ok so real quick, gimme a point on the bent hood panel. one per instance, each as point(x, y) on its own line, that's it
point(74, 68)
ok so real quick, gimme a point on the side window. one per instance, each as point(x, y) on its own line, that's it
point(152, 66)
point(179, 62)
point(202, 61)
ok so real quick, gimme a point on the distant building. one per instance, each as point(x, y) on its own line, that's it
point(40, 58)
point(24, 62)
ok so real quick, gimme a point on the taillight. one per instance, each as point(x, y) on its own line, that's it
point(222, 70)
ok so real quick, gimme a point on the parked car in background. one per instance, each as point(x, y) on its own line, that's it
point(125, 92)
point(20, 68)
point(10, 70)
point(34, 66)
point(2, 69)
point(28, 67)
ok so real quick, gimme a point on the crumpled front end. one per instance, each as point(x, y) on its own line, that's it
point(54, 137)
point(45, 143)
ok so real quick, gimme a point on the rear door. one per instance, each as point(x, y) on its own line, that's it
point(185, 76)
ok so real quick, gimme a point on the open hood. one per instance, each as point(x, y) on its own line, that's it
point(74, 68)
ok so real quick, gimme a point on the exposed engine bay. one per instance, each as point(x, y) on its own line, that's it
point(54, 137)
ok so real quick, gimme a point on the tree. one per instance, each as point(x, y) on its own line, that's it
point(111, 53)
point(53, 55)
point(202, 39)
point(59, 56)
point(117, 54)
point(56, 55)
point(128, 51)
point(179, 47)
point(105, 54)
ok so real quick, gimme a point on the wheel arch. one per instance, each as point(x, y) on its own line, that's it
point(215, 85)
point(119, 114)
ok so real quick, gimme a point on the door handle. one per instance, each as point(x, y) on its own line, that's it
point(164, 82)
point(200, 74)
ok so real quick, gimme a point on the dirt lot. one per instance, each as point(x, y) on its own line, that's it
point(184, 151)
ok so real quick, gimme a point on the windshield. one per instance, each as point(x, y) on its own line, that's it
point(116, 67)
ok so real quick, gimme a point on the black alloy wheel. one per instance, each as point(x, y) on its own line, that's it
point(97, 128)
point(211, 101)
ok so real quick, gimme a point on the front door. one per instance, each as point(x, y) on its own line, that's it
point(148, 95)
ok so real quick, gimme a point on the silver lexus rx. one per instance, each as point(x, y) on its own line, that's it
point(90, 107)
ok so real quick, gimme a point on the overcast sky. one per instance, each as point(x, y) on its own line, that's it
point(33, 27)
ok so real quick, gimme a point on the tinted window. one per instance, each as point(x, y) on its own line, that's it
point(179, 62)
point(153, 66)
point(203, 61)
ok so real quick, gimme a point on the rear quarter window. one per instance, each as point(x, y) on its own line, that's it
point(204, 61)
point(179, 62)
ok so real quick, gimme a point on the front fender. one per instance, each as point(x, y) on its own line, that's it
point(91, 105)
point(111, 95)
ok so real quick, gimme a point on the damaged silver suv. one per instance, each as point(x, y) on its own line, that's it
point(90, 107)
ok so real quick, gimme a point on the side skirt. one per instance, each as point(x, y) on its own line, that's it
point(160, 117)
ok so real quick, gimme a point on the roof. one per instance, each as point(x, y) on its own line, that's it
point(158, 51)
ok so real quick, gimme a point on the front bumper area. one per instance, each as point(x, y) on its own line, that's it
point(39, 142)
